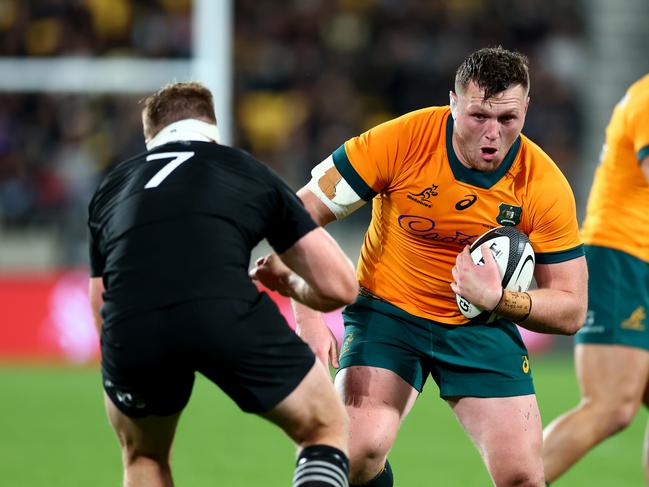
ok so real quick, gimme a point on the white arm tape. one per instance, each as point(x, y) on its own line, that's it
point(345, 200)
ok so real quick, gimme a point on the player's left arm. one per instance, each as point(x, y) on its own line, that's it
point(560, 303)
point(95, 295)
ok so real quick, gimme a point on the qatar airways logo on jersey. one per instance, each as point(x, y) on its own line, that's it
point(423, 227)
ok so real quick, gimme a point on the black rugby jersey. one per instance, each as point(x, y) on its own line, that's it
point(179, 222)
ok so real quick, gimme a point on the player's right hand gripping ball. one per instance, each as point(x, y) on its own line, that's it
point(515, 258)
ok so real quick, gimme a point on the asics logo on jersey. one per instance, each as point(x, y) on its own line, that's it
point(424, 196)
point(468, 200)
point(423, 227)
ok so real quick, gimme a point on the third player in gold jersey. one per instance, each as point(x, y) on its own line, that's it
point(612, 349)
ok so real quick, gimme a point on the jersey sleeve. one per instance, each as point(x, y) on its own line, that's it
point(555, 230)
point(289, 221)
point(638, 121)
point(371, 161)
point(97, 260)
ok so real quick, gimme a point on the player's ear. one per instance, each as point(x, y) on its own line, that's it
point(453, 102)
point(145, 127)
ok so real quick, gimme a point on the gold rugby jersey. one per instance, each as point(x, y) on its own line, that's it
point(427, 206)
point(617, 215)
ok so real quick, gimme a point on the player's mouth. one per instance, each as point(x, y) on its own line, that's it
point(488, 153)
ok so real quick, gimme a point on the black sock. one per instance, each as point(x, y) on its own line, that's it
point(321, 466)
point(383, 479)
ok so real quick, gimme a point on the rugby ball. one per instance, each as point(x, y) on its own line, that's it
point(514, 256)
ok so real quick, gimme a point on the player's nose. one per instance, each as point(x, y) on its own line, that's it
point(492, 131)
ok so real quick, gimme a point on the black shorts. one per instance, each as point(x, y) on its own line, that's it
point(247, 349)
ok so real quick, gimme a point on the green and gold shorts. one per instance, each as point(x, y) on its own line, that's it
point(477, 360)
point(618, 299)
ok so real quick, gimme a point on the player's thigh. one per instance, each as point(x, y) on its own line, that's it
point(365, 388)
point(249, 351)
point(505, 429)
point(376, 401)
point(145, 370)
point(312, 409)
point(381, 369)
point(150, 436)
point(612, 373)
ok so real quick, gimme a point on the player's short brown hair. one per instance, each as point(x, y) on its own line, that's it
point(174, 102)
point(493, 69)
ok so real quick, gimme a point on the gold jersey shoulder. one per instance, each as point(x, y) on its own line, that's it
point(617, 215)
point(427, 206)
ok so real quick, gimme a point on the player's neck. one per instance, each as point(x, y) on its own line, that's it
point(183, 130)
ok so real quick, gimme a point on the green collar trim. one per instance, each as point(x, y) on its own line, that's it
point(642, 153)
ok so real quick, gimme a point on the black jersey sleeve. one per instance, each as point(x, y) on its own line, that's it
point(290, 221)
point(97, 260)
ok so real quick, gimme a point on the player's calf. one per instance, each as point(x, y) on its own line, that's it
point(321, 466)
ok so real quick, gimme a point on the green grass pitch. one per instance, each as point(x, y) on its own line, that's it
point(53, 432)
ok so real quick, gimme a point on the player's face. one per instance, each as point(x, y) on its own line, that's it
point(484, 131)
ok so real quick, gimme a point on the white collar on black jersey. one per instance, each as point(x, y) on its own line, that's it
point(189, 129)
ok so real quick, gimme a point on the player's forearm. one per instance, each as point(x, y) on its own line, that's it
point(301, 291)
point(554, 311)
point(306, 318)
point(95, 296)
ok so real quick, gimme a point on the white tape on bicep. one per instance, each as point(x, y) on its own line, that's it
point(344, 199)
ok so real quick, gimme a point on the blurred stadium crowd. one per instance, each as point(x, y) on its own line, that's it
point(308, 76)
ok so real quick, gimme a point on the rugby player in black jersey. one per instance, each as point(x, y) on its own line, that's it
point(171, 233)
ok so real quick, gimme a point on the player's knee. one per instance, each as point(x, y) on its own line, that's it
point(367, 454)
point(612, 416)
point(621, 416)
point(519, 467)
point(520, 477)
